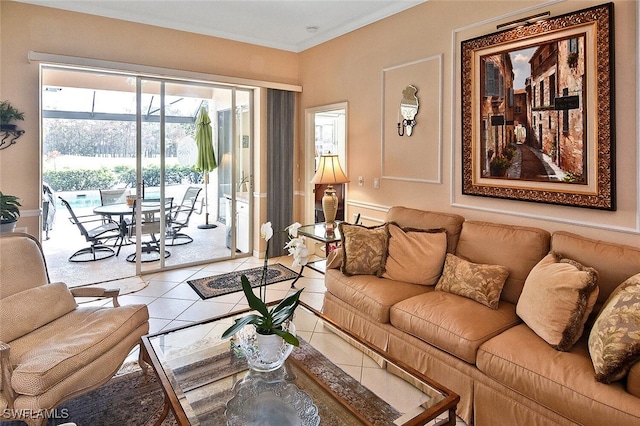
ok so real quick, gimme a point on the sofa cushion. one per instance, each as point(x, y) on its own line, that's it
point(614, 262)
point(62, 347)
point(518, 248)
point(370, 295)
point(557, 298)
point(415, 255)
point(452, 323)
point(364, 249)
point(561, 381)
point(482, 283)
point(406, 217)
point(50, 301)
point(614, 341)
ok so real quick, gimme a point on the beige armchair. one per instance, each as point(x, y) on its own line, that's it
point(51, 349)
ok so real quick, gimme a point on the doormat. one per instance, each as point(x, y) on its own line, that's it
point(230, 283)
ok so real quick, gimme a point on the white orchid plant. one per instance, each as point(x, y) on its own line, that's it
point(269, 320)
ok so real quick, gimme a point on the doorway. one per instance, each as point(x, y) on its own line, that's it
point(325, 132)
point(104, 130)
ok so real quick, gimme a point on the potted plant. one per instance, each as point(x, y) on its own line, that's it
point(271, 339)
point(7, 114)
point(499, 166)
point(9, 212)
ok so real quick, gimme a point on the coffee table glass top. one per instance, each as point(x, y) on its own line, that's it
point(208, 384)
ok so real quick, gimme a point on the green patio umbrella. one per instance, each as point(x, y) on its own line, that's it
point(206, 161)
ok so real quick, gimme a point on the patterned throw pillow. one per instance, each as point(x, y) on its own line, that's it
point(364, 249)
point(557, 297)
point(415, 255)
point(479, 282)
point(614, 342)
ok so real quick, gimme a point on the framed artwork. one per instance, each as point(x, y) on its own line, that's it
point(537, 111)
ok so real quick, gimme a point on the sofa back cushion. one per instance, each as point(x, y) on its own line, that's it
point(406, 217)
point(518, 248)
point(614, 262)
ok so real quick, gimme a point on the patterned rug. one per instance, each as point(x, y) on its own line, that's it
point(128, 399)
point(230, 283)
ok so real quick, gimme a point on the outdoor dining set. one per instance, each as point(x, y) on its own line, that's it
point(116, 219)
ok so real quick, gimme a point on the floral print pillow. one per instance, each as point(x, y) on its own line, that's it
point(364, 249)
point(479, 282)
point(614, 341)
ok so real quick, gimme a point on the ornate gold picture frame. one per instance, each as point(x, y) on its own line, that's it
point(537, 111)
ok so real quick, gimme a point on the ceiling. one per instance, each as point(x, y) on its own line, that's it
point(293, 25)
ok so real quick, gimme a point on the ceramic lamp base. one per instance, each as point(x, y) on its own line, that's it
point(330, 204)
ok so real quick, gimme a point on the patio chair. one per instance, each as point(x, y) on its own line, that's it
point(113, 196)
point(180, 216)
point(51, 349)
point(150, 225)
point(106, 228)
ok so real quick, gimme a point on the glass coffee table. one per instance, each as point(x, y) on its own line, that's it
point(207, 382)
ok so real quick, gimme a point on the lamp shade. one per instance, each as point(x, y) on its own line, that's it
point(329, 171)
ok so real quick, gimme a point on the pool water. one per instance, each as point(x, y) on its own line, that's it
point(79, 200)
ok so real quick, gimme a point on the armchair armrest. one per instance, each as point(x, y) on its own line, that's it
point(97, 292)
point(5, 374)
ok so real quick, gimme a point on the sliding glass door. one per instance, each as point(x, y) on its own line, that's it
point(136, 136)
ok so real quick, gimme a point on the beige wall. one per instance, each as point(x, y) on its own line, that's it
point(25, 28)
point(350, 69)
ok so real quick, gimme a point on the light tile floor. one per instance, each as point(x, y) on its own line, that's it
point(172, 303)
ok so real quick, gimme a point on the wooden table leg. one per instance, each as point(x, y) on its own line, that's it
point(165, 411)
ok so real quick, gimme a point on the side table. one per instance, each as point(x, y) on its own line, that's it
point(318, 232)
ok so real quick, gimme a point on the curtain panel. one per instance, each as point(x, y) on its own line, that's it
point(280, 135)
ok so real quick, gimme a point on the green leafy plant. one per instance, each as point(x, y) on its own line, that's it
point(270, 320)
point(8, 113)
point(499, 165)
point(9, 208)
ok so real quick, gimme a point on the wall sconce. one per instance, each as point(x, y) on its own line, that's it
point(408, 110)
point(329, 173)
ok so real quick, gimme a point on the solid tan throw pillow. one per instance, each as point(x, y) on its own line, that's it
point(364, 249)
point(557, 298)
point(415, 255)
point(614, 342)
point(475, 281)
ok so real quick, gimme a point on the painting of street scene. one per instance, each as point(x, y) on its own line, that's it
point(533, 113)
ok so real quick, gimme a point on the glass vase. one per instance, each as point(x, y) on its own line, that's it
point(265, 352)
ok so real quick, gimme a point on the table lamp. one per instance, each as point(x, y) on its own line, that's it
point(329, 173)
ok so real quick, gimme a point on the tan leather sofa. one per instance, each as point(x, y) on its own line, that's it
point(51, 349)
point(503, 372)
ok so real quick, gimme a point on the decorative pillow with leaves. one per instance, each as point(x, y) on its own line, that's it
point(480, 282)
point(415, 255)
point(557, 297)
point(364, 249)
point(614, 341)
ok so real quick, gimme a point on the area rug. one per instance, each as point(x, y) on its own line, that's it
point(231, 282)
point(129, 399)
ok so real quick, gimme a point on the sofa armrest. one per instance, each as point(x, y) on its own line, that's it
point(97, 292)
point(5, 374)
